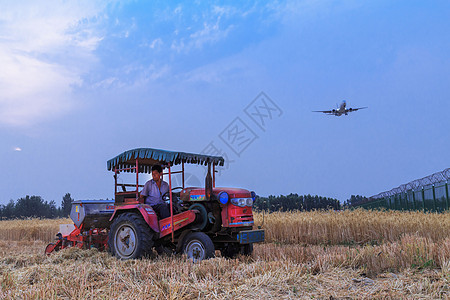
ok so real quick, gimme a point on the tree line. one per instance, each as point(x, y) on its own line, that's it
point(35, 207)
point(355, 200)
point(295, 202)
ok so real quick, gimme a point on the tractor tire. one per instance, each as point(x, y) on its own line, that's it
point(198, 246)
point(233, 250)
point(130, 237)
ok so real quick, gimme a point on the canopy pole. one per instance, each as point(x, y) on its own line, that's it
point(137, 179)
point(182, 173)
point(115, 182)
point(171, 210)
point(214, 176)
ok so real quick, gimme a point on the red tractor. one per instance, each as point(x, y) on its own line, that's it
point(202, 220)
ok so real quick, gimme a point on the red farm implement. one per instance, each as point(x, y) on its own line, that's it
point(202, 219)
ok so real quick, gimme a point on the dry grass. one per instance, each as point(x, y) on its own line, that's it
point(31, 229)
point(307, 228)
point(409, 252)
point(352, 226)
point(273, 272)
point(357, 254)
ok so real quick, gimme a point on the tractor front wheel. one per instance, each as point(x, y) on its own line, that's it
point(198, 246)
point(130, 237)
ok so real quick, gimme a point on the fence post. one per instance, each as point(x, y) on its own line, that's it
point(434, 199)
point(414, 199)
point(446, 195)
point(390, 203)
point(423, 199)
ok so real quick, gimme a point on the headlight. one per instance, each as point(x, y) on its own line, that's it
point(223, 197)
point(242, 202)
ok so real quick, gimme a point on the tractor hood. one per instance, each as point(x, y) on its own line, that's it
point(198, 193)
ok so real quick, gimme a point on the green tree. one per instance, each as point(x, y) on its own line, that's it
point(31, 206)
point(9, 210)
point(356, 200)
point(52, 210)
point(295, 202)
point(66, 205)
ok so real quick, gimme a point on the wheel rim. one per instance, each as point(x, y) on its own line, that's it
point(125, 241)
point(195, 250)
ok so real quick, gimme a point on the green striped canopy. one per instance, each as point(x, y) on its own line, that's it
point(148, 157)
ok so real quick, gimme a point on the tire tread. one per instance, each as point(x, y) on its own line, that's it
point(143, 233)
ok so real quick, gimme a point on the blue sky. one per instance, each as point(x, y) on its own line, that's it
point(83, 81)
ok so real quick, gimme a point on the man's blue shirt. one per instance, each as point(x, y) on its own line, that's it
point(153, 194)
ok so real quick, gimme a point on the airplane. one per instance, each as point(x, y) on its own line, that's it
point(341, 110)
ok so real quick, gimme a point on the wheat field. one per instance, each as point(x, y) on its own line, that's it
point(356, 254)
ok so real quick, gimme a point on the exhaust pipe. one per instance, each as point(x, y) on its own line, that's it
point(208, 184)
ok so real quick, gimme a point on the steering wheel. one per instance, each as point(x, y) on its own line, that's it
point(176, 188)
point(166, 195)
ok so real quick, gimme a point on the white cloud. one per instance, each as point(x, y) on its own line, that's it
point(45, 47)
point(156, 43)
point(210, 31)
point(136, 76)
point(18, 149)
point(178, 10)
point(236, 67)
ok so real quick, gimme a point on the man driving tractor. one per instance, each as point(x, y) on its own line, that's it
point(153, 191)
point(209, 218)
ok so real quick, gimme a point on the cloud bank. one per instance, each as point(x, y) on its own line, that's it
point(45, 48)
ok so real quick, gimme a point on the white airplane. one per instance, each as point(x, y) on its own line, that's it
point(341, 110)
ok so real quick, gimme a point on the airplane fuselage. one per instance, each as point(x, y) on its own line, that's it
point(341, 110)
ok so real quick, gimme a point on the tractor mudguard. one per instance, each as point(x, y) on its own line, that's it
point(146, 211)
point(180, 220)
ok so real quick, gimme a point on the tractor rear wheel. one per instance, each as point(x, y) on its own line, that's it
point(198, 246)
point(130, 237)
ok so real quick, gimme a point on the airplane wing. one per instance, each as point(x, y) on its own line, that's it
point(325, 111)
point(355, 109)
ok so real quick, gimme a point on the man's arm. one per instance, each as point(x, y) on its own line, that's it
point(164, 188)
point(144, 193)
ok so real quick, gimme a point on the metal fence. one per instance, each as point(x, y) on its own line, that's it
point(430, 193)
